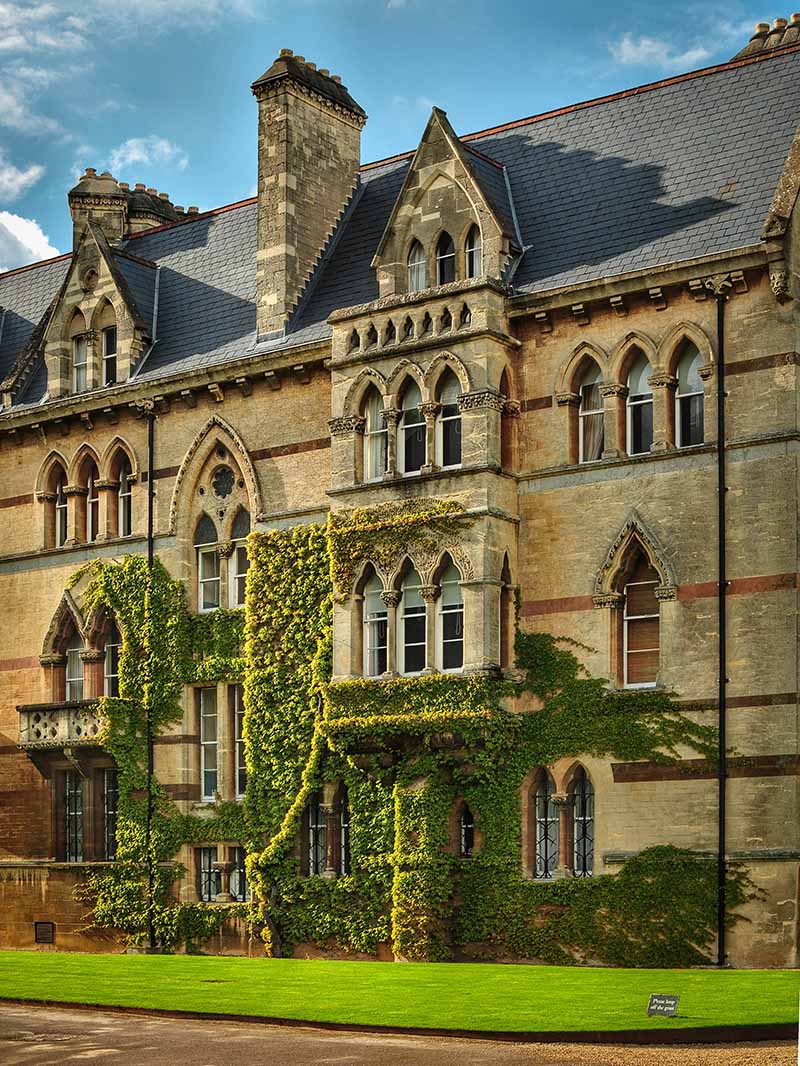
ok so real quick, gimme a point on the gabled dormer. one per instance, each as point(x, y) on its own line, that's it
point(453, 219)
point(102, 319)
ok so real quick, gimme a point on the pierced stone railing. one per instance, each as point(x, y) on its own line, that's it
point(60, 725)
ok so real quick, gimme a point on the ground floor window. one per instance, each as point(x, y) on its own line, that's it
point(240, 889)
point(209, 884)
point(73, 816)
point(110, 804)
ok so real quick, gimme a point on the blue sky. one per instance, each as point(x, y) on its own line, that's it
point(158, 90)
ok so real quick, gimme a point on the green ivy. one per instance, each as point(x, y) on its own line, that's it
point(407, 750)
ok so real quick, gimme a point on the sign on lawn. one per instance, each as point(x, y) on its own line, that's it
point(666, 1006)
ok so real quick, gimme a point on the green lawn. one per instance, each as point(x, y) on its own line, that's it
point(454, 996)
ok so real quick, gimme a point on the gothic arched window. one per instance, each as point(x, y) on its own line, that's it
point(546, 826)
point(417, 268)
point(466, 832)
point(590, 415)
point(412, 629)
point(375, 628)
point(472, 249)
point(445, 260)
point(208, 583)
point(641, 624)
point(448, 421)
point(640, 407)
point(451, 618)
point(583, 825)
point(689, 399)
point(240, 561)
point(375, 435)
point(411, 450)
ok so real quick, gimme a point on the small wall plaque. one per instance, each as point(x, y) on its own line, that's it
point(44, 932)
point(665, 1006)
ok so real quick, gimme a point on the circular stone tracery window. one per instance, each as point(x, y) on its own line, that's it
point(222, 482)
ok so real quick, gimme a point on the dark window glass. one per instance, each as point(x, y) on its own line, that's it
point(240, 889)
point(546, 814)
point(110, 355)
point(466, 830)
point(110, 804)
point(210, 881)
point(73, 816)
point(344, 834)
point(691, 416)
point(583, 820)
point(317, 836)
point(445, 260)
point(641, 427)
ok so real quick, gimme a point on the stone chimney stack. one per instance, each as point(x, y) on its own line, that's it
point(309, 154)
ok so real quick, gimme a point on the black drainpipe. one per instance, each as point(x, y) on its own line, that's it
point(150, 415)
point(722, 488)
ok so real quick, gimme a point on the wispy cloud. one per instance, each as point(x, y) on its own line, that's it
point(417, 103)
point(14, 182)
point(147, 151)
point(22, 241)
point(655, 51)
point(19, 88)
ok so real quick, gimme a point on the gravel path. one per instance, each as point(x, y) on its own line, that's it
point(42, 1036)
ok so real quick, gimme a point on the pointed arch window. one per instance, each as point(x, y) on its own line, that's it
point(125, 498)
point(583, 825)
point(113, 649)
point(412, 430)
point(375, 628)
point(375, 435)
point(445, 260)
point(466, 832)
point(640, 407)
point(590, 416)
point(60, 538)
point(641, 625)
point(451, 619)
point(412, 629)
point(546, 826)
point(689, 399)
point(317, 839)
point(240, 563)
point(472, 249)
point(74, 670)
point(448, 422)
point(417, 268)
point(208, 579)
point(344, 831)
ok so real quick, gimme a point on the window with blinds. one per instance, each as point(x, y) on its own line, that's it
point(641, 624)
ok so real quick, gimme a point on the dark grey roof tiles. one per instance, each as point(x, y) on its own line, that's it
point(141, 281)
point(25, 295)
point(491, 177)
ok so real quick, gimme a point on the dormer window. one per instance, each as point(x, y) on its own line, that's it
point(472, 249)
point(417, 268)
point(110, 355)
point(445, 260)
point(80, 364)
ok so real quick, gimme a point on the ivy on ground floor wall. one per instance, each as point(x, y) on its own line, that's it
point(407, 750)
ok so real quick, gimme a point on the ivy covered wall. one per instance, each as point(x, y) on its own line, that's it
point(407, 751)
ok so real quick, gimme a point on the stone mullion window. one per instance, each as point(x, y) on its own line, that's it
point(429, 413)
point(391, 597)
point(76, 512)
point(430, 595)
point(614, 421)
point(108, 493)
point(664, 387)
point(391, 417)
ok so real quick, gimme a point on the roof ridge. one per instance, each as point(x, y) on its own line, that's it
point(745, 61)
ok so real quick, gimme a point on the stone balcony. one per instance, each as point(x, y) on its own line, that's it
point(44, 726)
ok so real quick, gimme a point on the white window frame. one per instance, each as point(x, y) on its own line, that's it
point(473, 251)
point(61, 513)
point(416, 612)
point(582, 415)
point(92, 508)
point(626, 618)
point(108, 676)
point(417, 270)
point(202, 551)
point(679, 397)
point(235, 575)
point(441, 611)
point(80, 347)
point(371, 627)
point(372, 433)
point(209, 712)
point(108, 357)
point(74, 672)
point(449, 257)
point(441, 420)
point(125, 501)
point(402, 431)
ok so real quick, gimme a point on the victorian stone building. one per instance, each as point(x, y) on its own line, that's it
point(526, 319)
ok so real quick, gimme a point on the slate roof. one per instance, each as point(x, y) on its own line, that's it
point(491, 178)
point(664, 173)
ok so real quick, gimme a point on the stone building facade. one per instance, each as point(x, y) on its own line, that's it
point(523, 319)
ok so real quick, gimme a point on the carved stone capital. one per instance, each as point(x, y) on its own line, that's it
point(613, 388)
point(665, 592)
point(45, 497)
point(225, 550)
point(561, 799)
point(663, 381)
point(391, 597)
point(52, 660)
point(76, 490)
point(391, 416)
point(469, 401)
point(347, 424)
point(512, 408)
point(568, 399)
point(92, 655)
point(430, 410)
point(706, 371)
point(106, 485)
point(429, 593)
point(608, 599)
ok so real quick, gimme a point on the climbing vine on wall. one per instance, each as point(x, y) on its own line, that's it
point(407, 750)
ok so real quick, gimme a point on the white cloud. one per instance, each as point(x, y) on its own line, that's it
point(145, 152)
point(30, 27)
point(13, 181)
point(20, 84)
point(654, 51)
point(22, 241)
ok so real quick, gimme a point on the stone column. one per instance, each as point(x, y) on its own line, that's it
point(107, 493)
point(613, 601)
point(563, 803)
point(429, 413)
point(614, 397)
point(224, 869)
point(93, 660)
point(663, 386)
point(76, 513)
point(391, 597)
point(224, 551)
point(57, 667)
point(430, 594)
point(571, 401)
point(391, 416)
point(48, 503)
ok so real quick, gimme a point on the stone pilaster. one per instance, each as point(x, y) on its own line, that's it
point(614, 397)
point(664, 387)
